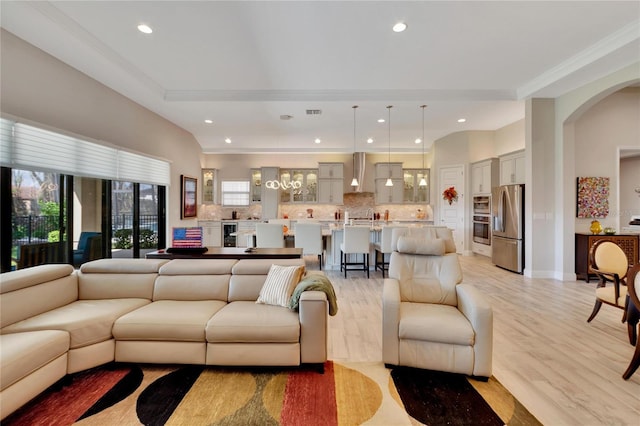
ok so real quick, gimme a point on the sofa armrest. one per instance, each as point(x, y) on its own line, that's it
point(476, 308)
point(314, 327)
point(390, 321)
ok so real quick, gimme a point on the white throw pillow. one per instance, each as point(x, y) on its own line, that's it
point(279, 285)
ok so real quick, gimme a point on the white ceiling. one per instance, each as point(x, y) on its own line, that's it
point(243, 64)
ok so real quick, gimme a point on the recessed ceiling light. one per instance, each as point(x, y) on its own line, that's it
point(370, 140)
point(208, 121)
point(418, 140)
point(399, 27)
point(461, 120)
point(317, 140)
point(144, 28)
point(380, 120)
point(227, 140)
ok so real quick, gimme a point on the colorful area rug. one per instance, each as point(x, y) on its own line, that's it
point(346, 394)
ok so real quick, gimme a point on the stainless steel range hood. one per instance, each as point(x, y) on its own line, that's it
point(358, 170)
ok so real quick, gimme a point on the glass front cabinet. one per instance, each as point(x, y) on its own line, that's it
point(300, 186)
point(209, 182)
point(413, 192)
point(256, 185)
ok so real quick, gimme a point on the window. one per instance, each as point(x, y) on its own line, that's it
point(235, 192)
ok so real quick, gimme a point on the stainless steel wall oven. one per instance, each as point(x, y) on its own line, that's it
point(482, 229)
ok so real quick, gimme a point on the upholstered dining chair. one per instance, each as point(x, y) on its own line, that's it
point(633, 317)
point(308, 237)
point(269, 235)
point(355, 241)
point(609, 262)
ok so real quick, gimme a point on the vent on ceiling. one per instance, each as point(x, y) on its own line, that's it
point(314, 111)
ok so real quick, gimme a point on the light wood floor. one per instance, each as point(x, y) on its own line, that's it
point(564, 370)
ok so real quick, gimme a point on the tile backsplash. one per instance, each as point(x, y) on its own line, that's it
point(358, 204)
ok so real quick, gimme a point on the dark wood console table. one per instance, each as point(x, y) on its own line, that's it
point(628, 242)
point(231, 253)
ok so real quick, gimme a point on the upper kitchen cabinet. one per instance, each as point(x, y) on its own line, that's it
point(330, 183)
point(300, 186)
point(413, 192)
point(512, 168)
point(389, 194)
point(484, 176)
point(256, 185)
point(209, 184)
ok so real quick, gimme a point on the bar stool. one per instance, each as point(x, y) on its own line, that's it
point(308, 237)
point(355, 241)
point(269, 235)
point(383, 249)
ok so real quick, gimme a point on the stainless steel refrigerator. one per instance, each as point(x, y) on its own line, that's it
point(507, 239)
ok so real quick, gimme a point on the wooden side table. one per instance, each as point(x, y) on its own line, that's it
point(628, 242)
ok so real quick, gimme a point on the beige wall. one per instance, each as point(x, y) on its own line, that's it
point(41, 89)
point(509, 138)
point(609, 125)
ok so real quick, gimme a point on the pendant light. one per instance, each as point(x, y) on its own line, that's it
point(389, 181)
point(354, 182)
point(423, 181)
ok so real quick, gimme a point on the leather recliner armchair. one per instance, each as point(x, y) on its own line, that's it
point(430, 319)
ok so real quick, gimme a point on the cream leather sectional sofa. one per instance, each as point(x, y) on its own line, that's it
point(56, 320)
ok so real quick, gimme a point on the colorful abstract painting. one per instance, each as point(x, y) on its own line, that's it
point(593, 197)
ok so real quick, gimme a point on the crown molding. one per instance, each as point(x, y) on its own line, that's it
point(599, 50)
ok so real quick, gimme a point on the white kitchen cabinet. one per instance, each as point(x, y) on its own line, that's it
point(211, 233)
point(330, 191)
point(330, 170)
point(484, 176)
point(382, 171)
point(512, 168)
point(389, 194)
point(330, 183)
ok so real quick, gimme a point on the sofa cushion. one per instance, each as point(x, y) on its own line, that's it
point(198, 267)
point(434, 323)
point(38, 298)
point(118, 278)
point(279, 285)
point(249, 322)
point(191, 287)
point(167, 320)
point(87, 321)
point(23, 353)
point(28, 277)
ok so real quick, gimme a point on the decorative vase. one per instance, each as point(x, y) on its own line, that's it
point(596, 228)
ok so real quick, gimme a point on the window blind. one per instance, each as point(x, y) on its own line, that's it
point(28, 147)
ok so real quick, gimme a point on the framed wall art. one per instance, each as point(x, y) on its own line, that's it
point(189, 197)
point(593, 197)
